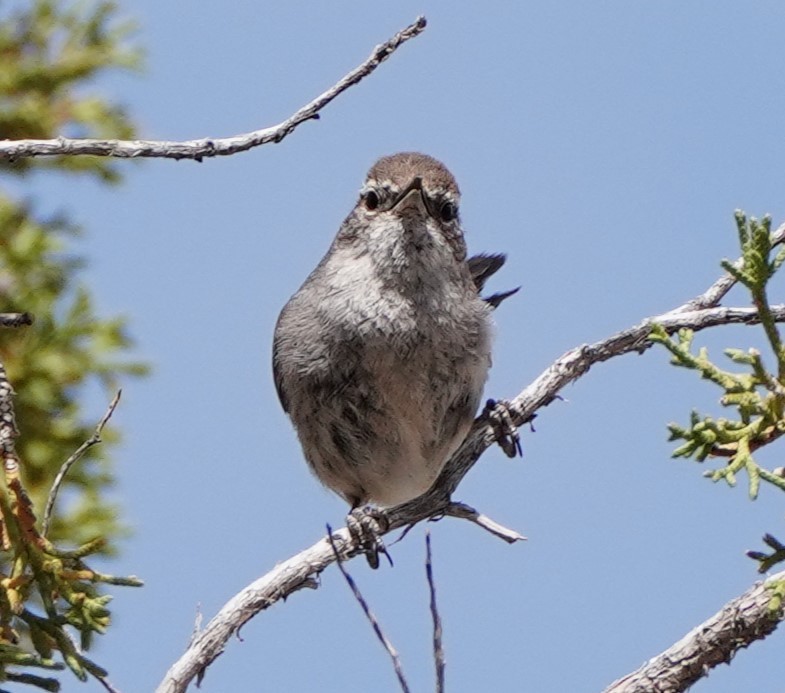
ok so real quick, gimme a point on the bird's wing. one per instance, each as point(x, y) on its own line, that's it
point(481, 267)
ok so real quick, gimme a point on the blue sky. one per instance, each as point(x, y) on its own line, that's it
point(604, 147)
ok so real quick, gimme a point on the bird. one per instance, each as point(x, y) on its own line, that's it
point(381, 356)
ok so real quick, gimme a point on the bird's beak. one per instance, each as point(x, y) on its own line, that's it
point(411, 197)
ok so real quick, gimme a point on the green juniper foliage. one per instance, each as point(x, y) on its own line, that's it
point(50, 51)
point(49, 363)
point(755, 394)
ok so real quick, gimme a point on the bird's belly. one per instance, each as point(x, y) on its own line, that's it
point(402, 472)
point(384, 438)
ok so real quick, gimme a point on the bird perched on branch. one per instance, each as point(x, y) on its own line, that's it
point(381, 356)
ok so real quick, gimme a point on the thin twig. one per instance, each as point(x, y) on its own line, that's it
point(438, 648)
point(15, 319)
point(107, 685)
point(388, 646)
point(209, 147)
point(77, 455)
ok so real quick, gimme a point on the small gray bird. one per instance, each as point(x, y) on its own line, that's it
point(381, 356)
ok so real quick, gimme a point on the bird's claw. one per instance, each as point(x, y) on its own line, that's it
point(497, 412)
point(366, 524)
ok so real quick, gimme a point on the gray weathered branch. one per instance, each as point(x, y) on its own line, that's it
point(11, 150)
point(301, 570)
point(738, 624)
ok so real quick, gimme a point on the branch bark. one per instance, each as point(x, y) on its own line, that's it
point(301, 570)
point(738, 624)
point(11, 150)
point(8, 430)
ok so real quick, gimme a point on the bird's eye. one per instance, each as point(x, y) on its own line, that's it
point(371, 200)
point(448, 211)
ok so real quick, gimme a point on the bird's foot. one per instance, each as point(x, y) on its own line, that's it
point(497, 412)
point(366, 524)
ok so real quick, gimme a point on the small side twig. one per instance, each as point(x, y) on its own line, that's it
point(438, 648)
point(197, 623)
point(466, 512)
point(15, 319)
point(76, 456)
point(388, 646)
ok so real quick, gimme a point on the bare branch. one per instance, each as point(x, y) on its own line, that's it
point(438, 647)
point(77, 455)
point(300, 570)
point(199, 149)
point(15, 319)
point(576, 362)
point(738, 624)
point(377, 629)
